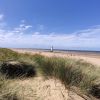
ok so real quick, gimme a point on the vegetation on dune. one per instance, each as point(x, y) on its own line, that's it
point(71, 72)
point(7, 54)
point(13, 65)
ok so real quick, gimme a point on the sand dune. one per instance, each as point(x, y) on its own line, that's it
point(49, 89)
point(42, 89)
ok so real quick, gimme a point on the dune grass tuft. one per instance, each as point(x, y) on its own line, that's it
point(71, 72)
point(7, 54)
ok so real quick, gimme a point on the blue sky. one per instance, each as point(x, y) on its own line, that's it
point(66, 24)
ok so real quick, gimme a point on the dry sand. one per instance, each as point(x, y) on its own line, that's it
point(39, 88)
point(91, 58)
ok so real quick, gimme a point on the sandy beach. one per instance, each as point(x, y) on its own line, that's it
point(93, 58)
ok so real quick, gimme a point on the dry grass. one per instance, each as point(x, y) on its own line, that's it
point(70, 72)
point(13, 66)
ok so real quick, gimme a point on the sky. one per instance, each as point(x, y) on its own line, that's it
point(65, 24)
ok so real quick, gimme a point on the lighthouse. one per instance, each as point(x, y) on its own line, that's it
point(51, 49)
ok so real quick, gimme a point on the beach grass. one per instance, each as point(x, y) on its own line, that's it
point(71, 72)
point(13, 66)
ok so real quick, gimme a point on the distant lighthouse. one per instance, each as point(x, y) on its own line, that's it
point(51, 49)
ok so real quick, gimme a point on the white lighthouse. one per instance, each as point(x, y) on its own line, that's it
point(51, 49)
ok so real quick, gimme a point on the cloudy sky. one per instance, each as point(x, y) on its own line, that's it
point(65, 24)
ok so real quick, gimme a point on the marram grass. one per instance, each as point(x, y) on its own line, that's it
point(70, 72)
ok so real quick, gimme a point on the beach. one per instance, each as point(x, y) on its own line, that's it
point(90, 57)
point(50, 77)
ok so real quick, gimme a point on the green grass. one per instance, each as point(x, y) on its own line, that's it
point(70, 72)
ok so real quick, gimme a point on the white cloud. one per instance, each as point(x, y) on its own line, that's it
point(22, 28)
point(17, 37)
point(60, 41)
